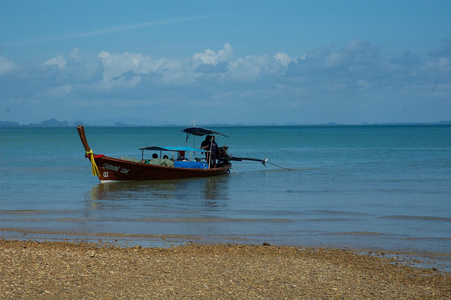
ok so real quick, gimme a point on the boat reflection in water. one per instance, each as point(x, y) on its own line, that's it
point(149, 213)
point(201, 193)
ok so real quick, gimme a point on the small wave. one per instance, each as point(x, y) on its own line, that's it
point(345, 213)
point(427, 239)
point(209, 220)
point(310, 191)
point(325, 220)
point(33, 211)
point(95, 234)
point(360, 233)
point(419, 218)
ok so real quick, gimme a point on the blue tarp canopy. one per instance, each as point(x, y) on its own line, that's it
point(183, 148)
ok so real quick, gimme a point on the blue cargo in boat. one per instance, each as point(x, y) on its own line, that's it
point(191, 164)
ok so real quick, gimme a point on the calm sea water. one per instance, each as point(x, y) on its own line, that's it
point(376, 187)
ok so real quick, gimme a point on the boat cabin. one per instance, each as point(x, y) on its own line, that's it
point(185, 156)
point(179, 157)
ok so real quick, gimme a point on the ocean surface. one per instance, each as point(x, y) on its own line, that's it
point(364, 187)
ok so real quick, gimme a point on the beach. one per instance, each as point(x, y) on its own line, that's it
point(72, 270)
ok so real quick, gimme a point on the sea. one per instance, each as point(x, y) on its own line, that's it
point(382, 188)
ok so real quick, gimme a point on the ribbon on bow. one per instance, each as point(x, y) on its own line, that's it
point(95, 169)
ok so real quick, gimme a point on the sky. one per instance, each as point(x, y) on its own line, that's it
point(225, 62)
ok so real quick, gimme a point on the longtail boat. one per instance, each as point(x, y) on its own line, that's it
point(181, 164)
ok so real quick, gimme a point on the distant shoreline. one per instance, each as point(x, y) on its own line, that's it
point(53, 123)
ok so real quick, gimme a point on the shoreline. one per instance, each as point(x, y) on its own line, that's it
point(423, 259)
point(63, 269)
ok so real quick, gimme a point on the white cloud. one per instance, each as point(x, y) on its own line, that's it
point(334, 59)
point(328, 78)
point(59, 61)
point(124, 27)
point(210, 57)
point(174, 72)
point(283, 58)
point(5, 65)
point(128, 65)
point(259, 67)
point(249, 68)
point(75, 54)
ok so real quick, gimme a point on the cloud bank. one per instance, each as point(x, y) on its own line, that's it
point(352, 83)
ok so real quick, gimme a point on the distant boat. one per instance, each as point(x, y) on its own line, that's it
point(180, 162)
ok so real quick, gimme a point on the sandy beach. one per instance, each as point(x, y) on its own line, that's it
point(67, 270)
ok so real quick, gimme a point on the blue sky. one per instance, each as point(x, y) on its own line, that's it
point(250, 62)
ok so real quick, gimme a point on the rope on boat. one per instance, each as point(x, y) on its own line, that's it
point(95, 169)
point(263, 161)
point(278, 166)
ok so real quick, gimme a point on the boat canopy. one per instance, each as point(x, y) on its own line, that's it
point(182, 151)
point(183, 148)
point(199, 131)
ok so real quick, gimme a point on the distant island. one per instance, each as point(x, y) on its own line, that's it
point(46, 123)
point(53, 123)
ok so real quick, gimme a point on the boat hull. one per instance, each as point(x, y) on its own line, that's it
point(113, 169)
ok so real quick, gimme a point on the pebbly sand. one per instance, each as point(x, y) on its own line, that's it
point(67, 270)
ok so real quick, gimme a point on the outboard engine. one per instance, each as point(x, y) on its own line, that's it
point(223, 157)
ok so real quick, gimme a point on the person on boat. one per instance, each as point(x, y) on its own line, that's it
point(214, 152)
point(205, 145)
point(181, 155)
point(166, 161)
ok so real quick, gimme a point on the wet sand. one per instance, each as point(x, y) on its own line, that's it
point(67, 270)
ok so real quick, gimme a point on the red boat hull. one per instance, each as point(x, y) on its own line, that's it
point(113, 169)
